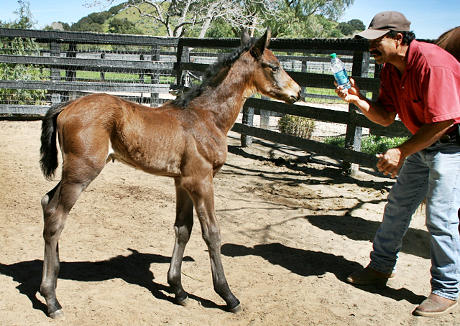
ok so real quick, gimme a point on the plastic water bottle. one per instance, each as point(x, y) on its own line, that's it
point(340, 74)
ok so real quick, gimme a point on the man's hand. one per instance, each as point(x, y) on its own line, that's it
point(348, 95)
point(390, 162)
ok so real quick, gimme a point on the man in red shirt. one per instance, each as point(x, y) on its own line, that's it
point(420, 82)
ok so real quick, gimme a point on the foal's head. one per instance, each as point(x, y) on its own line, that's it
point(269, 77)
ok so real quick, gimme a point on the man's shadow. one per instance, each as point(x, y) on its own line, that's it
point(416, 242)
point(308, 263)
point(133, 269)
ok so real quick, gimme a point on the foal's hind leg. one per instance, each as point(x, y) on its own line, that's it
point(183, 228)
point(56, 206)
point(202, 193)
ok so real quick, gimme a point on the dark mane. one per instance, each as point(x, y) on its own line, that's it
point(213, 75)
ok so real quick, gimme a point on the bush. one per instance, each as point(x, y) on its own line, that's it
point(370, 144)
point(19, 46)
point(296, 126)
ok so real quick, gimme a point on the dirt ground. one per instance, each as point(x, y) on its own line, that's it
point(292, 230)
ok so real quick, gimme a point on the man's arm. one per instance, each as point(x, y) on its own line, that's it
point(391, 161)
point(374, 111)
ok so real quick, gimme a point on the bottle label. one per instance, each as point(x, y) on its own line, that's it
point(341, 77)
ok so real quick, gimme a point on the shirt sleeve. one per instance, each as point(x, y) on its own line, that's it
point(442, 95)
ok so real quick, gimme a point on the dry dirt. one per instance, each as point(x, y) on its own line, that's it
point(292, 231)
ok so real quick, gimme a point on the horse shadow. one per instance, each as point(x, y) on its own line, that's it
point(309, 263)
point(133, 269)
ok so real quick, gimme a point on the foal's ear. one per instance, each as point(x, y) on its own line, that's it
point(258, 49)
point(245, 38)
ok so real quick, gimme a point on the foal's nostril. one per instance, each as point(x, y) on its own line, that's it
point(293, 99)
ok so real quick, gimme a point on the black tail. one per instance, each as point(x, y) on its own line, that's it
point(48, 149)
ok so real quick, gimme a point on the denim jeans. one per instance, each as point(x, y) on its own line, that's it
point(434, 174)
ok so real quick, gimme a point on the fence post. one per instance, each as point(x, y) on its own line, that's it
point(264, 116)
point(375, 94)
point(55, 74)
point(354, 133)
point(71, 74)
point(141, 74)
point(102, 74)
point(304, 69)
point(155, 97)
point(247, 119)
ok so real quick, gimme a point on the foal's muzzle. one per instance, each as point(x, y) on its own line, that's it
point(294, 98)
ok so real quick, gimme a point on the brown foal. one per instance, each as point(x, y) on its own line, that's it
point(184, 139)
point(450, 41)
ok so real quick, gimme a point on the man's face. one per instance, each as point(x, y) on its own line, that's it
point(382, 48)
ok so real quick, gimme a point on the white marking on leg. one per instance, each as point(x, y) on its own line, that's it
point(110, 154)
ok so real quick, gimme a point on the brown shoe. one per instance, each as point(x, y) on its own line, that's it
point(369, 276)
point(435, 305)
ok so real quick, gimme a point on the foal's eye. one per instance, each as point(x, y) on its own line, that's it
point(272, 66)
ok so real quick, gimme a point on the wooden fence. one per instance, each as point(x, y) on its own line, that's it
point(175, 58)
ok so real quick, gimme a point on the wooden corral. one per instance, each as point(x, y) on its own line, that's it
point(168, 63)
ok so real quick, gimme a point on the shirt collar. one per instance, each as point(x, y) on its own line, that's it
point(410, 55)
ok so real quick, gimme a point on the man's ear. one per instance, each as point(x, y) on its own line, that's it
point(400, 37)
point(258, 49)
point(245, 38)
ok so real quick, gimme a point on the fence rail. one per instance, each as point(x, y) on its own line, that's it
point(298, 54)
point(87, 37)
point(89, 64)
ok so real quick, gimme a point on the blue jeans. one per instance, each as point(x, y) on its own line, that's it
point(434, 174)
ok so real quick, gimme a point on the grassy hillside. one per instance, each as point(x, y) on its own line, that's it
point(119, 19)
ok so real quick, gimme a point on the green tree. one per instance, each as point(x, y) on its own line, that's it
point(308, 18)
point(357, 25)
point(195, 17)
point(19, 46)
point(351, 27)
point(345, 28)
point(122, 26)
point(94, 22)
point(224, 18)
point(221, 29)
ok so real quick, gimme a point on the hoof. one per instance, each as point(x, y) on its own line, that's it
point(183, 302)
point(182, 299)
point(58, 314)
point(236, 309)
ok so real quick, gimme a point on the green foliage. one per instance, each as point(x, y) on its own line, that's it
point(25, 19)
point(370, 144)
point(19, 46)
point(357, 24)
point(122, 26)
point(345, 28)
point(92, 23)
point(221, 29)
point(351, 27)
point(308, 19)
point(296, 126)
point(288, 19)
point(116, 9)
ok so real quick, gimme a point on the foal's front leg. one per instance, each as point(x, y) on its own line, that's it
point(202, 193)
point(183, 228)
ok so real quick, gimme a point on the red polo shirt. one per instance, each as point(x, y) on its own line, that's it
point(429, 89)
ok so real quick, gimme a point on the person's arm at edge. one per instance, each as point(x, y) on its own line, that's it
point(374, 111)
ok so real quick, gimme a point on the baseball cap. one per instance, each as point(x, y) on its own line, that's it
point(384, 22)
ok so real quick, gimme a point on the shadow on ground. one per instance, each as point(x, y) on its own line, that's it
point(309, 263)
point(133, 269)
